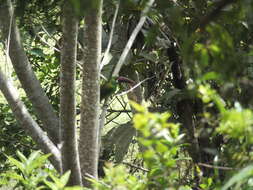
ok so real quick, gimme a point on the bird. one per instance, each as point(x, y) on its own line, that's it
point(108, 88)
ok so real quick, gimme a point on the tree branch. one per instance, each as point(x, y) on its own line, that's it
point(132, 38)
point(27, 77)
point(26, 121)
point(121, 111)
point(106, 54)
point(216, 167)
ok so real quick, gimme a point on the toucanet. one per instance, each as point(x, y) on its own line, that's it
point(108, 88)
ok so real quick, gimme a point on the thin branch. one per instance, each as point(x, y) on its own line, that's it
point(135, 86)
point(129, 164)
point(216, 167)
point(8, 45)
point(49, 35)
point(135, 166)
point(49, 45)
point(121, 111)
point(105, 60)
point(118, 114)
point(123, 106)
point(132, 38)
point(115, 122)
point(9, 35)
point(102, 122)
point(79, 64)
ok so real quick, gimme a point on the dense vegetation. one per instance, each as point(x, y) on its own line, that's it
point(177, 114)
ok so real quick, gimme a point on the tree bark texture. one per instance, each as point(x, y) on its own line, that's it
point(26, 121)
point(69, 149)
point(89, 129)
point(23, 69)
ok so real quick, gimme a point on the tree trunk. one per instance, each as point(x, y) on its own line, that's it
point(69, 150)
point(25, 74)
point(89, 126)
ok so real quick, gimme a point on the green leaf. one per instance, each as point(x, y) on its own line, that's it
point(236, 123)
point(22, 157)
point(41, 187)
point(36, 162)
point(73, 188)
point(161, 148)
point(210, 76)
point(64, 178)
point(37, 52)
point(56, 181)
point(51, 185)
point(239, 177)
point(137, 107)
point(13, 175)
point(17, 163)
point(33, 157)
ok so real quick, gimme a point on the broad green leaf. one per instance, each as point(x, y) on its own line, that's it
point(13, 175)
point(33, 157)
point(240, 176)
point(65, 177)
point(38, 162)
point(52, 185)
point(22, 157)
point(55, 180)
point(17, 163)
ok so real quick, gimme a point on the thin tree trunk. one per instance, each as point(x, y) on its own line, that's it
point(26, 121)
point(69, 150)
point(89, 129)
point(23, 69)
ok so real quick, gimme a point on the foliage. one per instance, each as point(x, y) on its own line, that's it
point(241, 180)
point(216, 71)
point(12, 137)
point(32, 173)
point(59, 183)
point(161, 142)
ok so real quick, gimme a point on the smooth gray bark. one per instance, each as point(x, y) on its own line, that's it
point(89, 129)
point(132, 38)
point(26, 121)
point(69, 150)
point(25, 74)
